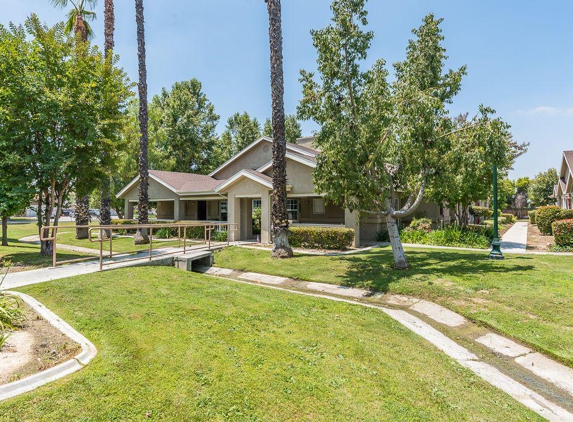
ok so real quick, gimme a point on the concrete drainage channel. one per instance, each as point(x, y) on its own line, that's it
point(541, 384)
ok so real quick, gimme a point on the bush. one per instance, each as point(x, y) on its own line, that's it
point(11, 310)
point(531, 216)
point(473, 236)
point(507, 218)
point(383, 236)
point(422, 224)
point(545, 216)
point(482, 212)
point(219, 236)
point(321, 238)
point(563, 232)
point(125, 222)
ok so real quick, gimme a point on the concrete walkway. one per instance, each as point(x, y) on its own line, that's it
point(539, 383)
point(515, 239)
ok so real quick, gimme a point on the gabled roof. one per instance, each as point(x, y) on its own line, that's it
point(178, 182)
point(303, 159)
point(254, 175)
point(308, 153)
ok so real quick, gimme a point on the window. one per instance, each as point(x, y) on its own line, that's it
point(256, 203)
point(292, 209)
point(318, 206)
point(223, 210)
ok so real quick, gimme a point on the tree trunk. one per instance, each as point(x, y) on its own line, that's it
point(119, 212)
point(400, 262)
point(82, 216)
point(80, 27)
point(279, 216)
point(109, 27)
point(4, 230)
point(141, 236)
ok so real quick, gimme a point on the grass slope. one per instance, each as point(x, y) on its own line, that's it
point(526, 297)
point(182, 346)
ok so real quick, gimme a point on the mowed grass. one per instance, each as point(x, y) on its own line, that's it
point(181, 346)
point(529, 298)
point(25, 256)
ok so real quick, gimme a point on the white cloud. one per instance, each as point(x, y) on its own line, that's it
point(545, 110)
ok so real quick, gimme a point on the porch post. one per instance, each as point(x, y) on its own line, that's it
point(234, 216)
point(265, 218)
point(128, 209)
point(176, 209)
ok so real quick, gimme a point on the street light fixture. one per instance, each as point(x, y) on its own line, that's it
point(495, 252)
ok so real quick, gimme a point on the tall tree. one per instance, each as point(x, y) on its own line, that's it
point(188, 120)
point(541, 189)
point(293, 130)
point(79, 17)
point(381, 141)
point(78, 23)
point(141, 236)
point(279, 216)
point(63, 111)
point(240, 131)
point(109, 29)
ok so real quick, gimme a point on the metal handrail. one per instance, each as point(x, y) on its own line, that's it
point(209, 227)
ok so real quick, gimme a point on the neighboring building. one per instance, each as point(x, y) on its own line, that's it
point(230, 192)
point(563, 189)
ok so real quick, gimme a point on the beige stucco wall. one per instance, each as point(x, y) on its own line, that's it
point(165, 210)
point(256, 157)
point(155, 191)
point(239, 197)
point(333, 214)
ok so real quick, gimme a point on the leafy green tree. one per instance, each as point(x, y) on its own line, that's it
point(64, 110)
point(240, 131)
point(522, 185)
point(466, 173)
point(505, 193)
point(541, 188)
point(380, 140)
point(189, 121)
point(293, 129)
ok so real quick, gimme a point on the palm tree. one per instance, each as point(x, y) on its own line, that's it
point(78, 17)
point(279, 216)
point(109, 27)
point(141, 236)
point(78, 23)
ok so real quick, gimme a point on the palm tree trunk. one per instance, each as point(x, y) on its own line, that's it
point(141, 236)
point(279, 216)
point(109, 27)
point(82, 216)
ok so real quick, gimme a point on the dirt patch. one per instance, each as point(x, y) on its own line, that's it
point(537, 241)
point(34, 348)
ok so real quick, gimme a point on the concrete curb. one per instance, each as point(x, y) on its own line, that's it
point(32, 382)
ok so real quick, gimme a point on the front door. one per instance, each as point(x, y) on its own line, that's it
point(201, 210)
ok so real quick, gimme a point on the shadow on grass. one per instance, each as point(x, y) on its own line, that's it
point(375, 270)
point(28, 254)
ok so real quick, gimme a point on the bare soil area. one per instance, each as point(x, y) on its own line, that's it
point(537, 241)
point(34, 348)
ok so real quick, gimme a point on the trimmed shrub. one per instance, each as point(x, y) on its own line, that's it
point(473, 236)
point(382, 236)
point(508, 218)
point(482, 212)
point(563, 232)
point(423, 224)
point(545, 216)
point(531, 215)
point(219, 236)
point(329, 238)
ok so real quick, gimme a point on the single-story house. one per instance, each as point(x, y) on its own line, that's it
point(562, 191)
point(231, 192)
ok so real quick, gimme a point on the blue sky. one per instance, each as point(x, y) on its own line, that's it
point(519, 55)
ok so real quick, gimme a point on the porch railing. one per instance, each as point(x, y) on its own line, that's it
point(105, 234)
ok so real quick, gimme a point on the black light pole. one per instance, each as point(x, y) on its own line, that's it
point(495, 244)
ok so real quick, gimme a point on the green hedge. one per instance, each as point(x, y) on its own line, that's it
point(545, 216)
point(472, 236)
point(531, 215)
point(482, 212)
point(508, 218)
point(563, 232)
point(330, 238)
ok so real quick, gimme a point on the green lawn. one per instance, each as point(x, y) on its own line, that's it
point(180, 346)
point(526, 297)
point(26, 255)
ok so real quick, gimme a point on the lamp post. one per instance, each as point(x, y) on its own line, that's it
point(495, 244)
